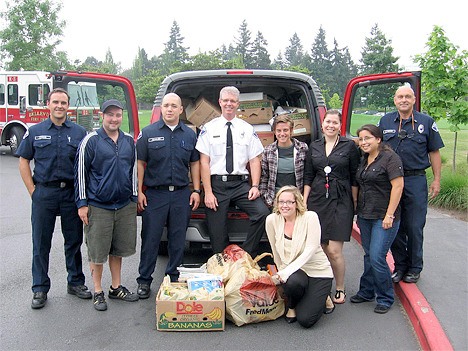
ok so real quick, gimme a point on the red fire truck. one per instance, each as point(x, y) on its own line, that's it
point(23, 98)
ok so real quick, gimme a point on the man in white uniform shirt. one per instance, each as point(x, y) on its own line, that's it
point(224, 173)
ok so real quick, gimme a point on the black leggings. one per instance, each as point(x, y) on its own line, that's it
point(307, 296)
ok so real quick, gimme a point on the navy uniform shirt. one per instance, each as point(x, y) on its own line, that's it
point(53, 149)
point(375, 186)
point(167, 153)
point(418, 142)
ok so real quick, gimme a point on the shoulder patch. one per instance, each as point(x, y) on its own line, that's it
point(434, 127)
point(255, 135)
point(139, 135)
point(26, 134)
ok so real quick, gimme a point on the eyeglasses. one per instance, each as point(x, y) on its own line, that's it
point(225, 101)
point(289, 203)
point(402, 134)
point(366, 139)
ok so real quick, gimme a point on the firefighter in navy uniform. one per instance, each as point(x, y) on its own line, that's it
point(52, 144)
point(415, 138)
point(166, 152)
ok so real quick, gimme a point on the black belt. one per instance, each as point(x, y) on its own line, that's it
point(414, 172)
point(58, 184)
point(168, 187)
point(230, 178)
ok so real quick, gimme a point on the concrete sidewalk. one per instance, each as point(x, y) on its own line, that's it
point(437, 304)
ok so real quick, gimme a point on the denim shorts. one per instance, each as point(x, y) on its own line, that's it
point(111, 232)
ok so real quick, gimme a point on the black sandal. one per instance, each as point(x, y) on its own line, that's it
point(337, 296)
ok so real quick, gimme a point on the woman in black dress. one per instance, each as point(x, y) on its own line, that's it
point(330, 190)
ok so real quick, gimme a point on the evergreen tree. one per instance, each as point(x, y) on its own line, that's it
point(320, 64)
point(377, 57)
point(244, 44)
point(175, 55)
point(294, 53)
point(343, 69)
point(377, 54)
point(259, 54)
point(279, 63)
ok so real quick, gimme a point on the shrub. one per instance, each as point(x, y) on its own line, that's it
point(453, 192)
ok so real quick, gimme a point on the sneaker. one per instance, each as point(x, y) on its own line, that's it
point(122, 293)
point(381, 309)
point(99, 301)
point(80, 291)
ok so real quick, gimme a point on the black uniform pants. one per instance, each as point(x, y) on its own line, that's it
point(235, 192)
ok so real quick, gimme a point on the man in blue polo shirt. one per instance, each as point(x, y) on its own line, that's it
point(166, 152)
point(52, 144)
point(106, 196)
point(415, 138)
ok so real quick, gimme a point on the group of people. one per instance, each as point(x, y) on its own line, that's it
point(303, 197)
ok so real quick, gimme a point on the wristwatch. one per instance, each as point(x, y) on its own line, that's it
point(198, 191)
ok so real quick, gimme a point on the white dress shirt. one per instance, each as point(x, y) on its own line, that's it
point(212, 142)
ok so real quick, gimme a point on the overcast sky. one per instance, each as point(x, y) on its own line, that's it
point(93, 26)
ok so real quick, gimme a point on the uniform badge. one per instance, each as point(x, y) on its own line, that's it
point(421, 128)
point(434, 127)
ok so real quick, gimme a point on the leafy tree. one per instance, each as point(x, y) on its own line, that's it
point(294, 53)
point(445, 82)
point(205, 61)
point(32, 34)
point(146, 87)
point(377, 57)
point(320, 61)
point(335, 101)
point(259, 54)
point(92, 64)
point(244, 44)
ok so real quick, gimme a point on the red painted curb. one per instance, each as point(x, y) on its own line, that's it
point(425, 323)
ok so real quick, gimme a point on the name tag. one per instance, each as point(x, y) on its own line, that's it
point(150, 140)
point(42, 137)
point(216, 136)
point(388, 131)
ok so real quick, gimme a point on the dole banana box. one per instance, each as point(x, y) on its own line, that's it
point(189, 315)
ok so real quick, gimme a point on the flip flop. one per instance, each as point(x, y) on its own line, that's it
point(337, 298)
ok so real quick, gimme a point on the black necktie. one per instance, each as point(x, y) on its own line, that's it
point(229, 154)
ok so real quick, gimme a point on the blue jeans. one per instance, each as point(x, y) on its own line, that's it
point(376, 281)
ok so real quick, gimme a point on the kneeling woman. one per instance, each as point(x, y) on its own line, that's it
point(380, 179)
point(303, 268)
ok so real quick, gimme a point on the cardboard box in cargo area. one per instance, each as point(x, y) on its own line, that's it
point(266, 137)
point(255, 111)
point(189, 315)
point(301, 122)
point(201, 112)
